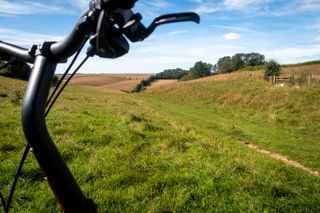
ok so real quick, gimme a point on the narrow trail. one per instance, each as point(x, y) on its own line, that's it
point(282, 158)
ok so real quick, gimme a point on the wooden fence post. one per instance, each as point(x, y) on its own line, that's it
point(309, 80)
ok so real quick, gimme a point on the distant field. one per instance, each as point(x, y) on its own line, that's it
point(116, 82)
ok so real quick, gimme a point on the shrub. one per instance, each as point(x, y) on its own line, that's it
point(16, 97)
point(273, 68)
point(18, 69)
point(138, 88)
point(55, 81)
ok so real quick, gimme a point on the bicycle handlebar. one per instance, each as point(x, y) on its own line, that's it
point(67, 47)
point(15, 51)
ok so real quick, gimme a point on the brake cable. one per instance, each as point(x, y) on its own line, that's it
point(65, 84)
point(6, 205)
point(65, 73)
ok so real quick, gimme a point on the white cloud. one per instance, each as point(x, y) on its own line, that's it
point(310, 6)
point(241, 4)
point(293, 54)
point(177, 32)
point(204, 9)
point(317, 39)
point(232, 36)
point(28, 7)
point(25, 38)
point(234, 28)
point(79, 3)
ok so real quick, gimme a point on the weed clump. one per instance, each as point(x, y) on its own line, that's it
point(16, 97)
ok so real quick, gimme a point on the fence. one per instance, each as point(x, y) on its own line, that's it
point(292, 79)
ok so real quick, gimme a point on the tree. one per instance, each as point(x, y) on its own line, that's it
point(224, 64)
point(237, 61)
point(229, 64)
point(273, 68)
point(177, 73)
point(254, 59)
point(144, 83)
point(200, 69)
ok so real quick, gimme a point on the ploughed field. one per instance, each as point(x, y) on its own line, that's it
point(114, 82)
point(208, 145)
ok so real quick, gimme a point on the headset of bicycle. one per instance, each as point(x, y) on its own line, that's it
point(107, 25)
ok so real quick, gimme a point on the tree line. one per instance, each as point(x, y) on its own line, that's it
point(200, 69)
point(229, 64)
point(225, 64)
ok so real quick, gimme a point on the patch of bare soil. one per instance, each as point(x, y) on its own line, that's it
point(283, 158)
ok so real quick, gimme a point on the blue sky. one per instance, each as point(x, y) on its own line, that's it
point(285, 30)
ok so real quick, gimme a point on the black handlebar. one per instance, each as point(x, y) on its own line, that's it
point(15, 51)
point(67, 47)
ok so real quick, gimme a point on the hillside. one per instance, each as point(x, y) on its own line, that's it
point(216, 144)
point(281, 119)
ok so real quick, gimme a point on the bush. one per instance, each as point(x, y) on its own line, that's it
point(18, 69)
point(273, 68)
point(138, 88)
point(16, 97)
point(55, 81)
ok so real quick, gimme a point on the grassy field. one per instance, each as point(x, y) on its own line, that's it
point(179, 147)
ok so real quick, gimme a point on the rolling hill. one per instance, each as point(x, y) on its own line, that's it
point(225, 143)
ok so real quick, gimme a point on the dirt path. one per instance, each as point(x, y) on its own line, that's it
point(283, 158)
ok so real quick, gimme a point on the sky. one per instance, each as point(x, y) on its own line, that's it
point(285, 30)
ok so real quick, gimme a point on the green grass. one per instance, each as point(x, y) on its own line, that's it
point(177, 148)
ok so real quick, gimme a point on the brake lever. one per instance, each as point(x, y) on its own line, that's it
point(136, 31)
point(172, 18)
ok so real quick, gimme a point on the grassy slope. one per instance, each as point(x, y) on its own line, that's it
point(175, 148)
